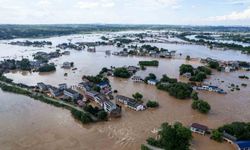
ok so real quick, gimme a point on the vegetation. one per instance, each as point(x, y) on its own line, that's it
point(14, 89)
point(150, 48)
point(5, 79)
point(25, 64)
point(81, 116)
point(243, 77)
point(211, 44)
point(122, 73)
point(194, 95)
point(123, 41)
point(179, 90)
point(151, 76)
point(198, 77)
point(152, 104)
point(204, 69)
point(216, 135)
point(198, 74)
point(47, 68)
point(102, 115)
point(214, 65)
point(138, 96)
point(184, 68)
point(241, 130)
point(149, 63)
point(96, 79)
point(167, 79)
point(172, 137)
point(201, 106)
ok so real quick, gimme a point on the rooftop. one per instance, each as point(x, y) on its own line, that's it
point(243, 144)
point(71, 91)
point(199, 126)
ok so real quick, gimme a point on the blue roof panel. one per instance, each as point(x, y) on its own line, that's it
point(243, 144)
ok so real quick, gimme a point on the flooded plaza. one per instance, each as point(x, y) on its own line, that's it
point(27, 124)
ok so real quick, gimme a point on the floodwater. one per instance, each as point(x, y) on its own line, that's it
point(193, 37)
point(27, 124)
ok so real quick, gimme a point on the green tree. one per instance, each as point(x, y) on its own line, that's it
point(213, 64)
point(184, 68)
point(122, 73)
point(179, 90)
point(138, 96)
point(201, 106)
point(216, 135)
point(194, 96)
point(102, 115)
point(241, 130)
point(151, 76)
point(47, 68)
point(175, 137)
point(204, 69)
point(152, 104)
point(199, 77)
point(25, 64)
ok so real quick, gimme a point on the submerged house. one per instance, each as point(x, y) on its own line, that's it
point(105, 88)
point(85, 86)
point(137, 79)
point(211, 88)
point(42, 87)
point(62, 86)
point(132, 69)
point(229, 138)
point(66, 65)
point(130, 103)
point(71, 94)
point(55, 92)
point(152, 82)
point(113, 109)
point(199, 128)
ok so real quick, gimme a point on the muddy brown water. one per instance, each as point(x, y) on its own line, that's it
point(27, 124)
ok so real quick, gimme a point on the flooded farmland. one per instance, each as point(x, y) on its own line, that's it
point(27, 124)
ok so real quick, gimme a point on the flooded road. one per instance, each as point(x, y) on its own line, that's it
point(27, 124)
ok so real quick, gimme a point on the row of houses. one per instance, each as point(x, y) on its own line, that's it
point(238, 144)
point(61, 91)
point(12, 64)
point(210, 88)
point(130, 103)
point(30, 43)
point(139, 79)
point(100, 97)
point(163, 53)
point(228, 66)
point(71, 46)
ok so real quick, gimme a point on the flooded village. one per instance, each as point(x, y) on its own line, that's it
point(127, 82)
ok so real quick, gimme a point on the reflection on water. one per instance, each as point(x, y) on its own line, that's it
point(27, 124)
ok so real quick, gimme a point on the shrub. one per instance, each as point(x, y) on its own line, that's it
point(122, 73)
point(216, 135)
point(194, 96)
point(201, 106)
point(47, 68)
point(184, 68)
point(149, 63)
point(102, 115)
point(152, 104)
